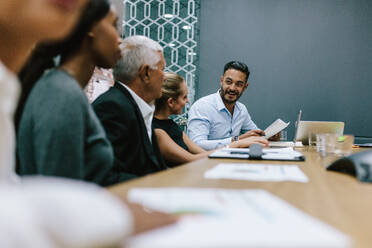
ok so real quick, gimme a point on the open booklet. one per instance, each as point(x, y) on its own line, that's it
point(275, 128)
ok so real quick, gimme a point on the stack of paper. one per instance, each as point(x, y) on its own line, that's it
point(222, 218)
point(257, 172)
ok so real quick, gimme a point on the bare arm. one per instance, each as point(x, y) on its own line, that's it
point(173, 152)
point(193, 148)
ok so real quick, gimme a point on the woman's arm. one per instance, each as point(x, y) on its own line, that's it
point(193, 148)
point(173, 152)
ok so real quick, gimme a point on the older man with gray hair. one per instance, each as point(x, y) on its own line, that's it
point(126, 110)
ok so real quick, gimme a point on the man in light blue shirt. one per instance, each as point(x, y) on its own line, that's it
point(218, 119)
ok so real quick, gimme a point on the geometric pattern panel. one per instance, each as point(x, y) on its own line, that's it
point(174, 24)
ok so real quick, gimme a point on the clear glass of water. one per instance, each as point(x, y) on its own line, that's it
point(312, 139)
point(344, 145)
point(283, 135)
point(327, 148)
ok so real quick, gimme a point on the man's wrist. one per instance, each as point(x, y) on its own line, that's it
point(234, 138)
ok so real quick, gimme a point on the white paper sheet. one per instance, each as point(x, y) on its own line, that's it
point(275, 128)
point(285, 144)
point(222, 218)
point(257, 172)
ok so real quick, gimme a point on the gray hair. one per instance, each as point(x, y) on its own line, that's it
point(136, 51)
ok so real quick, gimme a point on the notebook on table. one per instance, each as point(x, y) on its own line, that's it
point(255, 152)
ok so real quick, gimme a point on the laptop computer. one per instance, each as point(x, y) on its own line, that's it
point(304, 127)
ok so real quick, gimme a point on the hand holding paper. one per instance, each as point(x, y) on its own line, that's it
point(275, 128)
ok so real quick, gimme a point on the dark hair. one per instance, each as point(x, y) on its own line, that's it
point(42, 57)
point(240, 66)
point(171, 88)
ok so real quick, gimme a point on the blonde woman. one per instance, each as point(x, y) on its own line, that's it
point(175, 146)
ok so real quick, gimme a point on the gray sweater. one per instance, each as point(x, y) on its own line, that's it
point(60, 135)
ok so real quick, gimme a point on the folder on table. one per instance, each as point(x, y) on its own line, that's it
point(255, 152)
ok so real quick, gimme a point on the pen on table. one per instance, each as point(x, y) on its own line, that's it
point(239, 152)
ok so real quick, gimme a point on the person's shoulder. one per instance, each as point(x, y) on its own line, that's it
point(56, 88)
point(156, 123)
point(166, 124)
point(243, 110)
point(114, 93)
point(207, 98)
point(56, 79)
point(115, 103)
point(113, 97)
point(204, 102)
point(241, 106)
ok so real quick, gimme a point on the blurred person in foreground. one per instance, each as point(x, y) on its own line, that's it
point(47, 212)
point(70, 140)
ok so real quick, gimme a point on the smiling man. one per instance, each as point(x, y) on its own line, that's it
point(218, 119)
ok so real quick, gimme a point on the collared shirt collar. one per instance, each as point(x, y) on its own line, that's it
point(146, 109)
point(10, 90)
point(221, 105)
point(9, 93)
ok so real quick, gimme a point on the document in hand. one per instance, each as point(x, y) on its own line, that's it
point(275, 128)
point(223, 218)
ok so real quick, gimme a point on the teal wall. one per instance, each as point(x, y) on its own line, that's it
point(314, 55)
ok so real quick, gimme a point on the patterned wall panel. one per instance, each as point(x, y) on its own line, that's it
point(174, 24)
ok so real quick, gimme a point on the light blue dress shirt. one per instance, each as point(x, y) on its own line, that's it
point(210, 124)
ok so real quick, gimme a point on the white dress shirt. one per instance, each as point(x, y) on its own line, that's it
point(9, 92)
point(46, 212)
point(147, 110)
point(211, 125)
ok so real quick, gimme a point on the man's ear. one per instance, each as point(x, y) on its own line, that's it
point(246, 86)
point(221, 80)
point(144, 73)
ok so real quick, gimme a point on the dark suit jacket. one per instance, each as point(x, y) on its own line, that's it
point(125, 128)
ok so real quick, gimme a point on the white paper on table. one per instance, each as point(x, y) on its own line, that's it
point(222, 218)
point(285, 144)
point(275, 128)
point(257, 172)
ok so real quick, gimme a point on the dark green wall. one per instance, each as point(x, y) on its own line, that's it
point(310, 54)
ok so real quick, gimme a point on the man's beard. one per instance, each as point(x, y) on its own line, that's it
point(225, 100)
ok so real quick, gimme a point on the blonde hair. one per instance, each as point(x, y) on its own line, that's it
point(171, 89)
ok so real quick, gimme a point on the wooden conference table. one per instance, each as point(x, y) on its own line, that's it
point(335, 198)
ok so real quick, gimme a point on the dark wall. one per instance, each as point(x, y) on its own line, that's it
point(314, 55)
